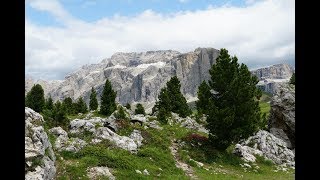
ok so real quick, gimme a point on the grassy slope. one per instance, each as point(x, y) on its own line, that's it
point(155, 154)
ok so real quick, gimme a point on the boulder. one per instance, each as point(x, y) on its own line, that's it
point(137, 138)
point(78, 126)
point(282, 114)
point(97, 172)
point(39, 155)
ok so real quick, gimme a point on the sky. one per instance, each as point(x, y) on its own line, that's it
point(63, 35)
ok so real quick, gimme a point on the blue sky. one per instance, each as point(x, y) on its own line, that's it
point(92, 10)
point(63, 35)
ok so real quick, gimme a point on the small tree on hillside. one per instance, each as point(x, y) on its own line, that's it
point(235, 112)
point(93, 100)
point(68, 105)
point(178, 102)
point(139, 109)
point(81, 106)
point(59, 114)
point(163, 102)
point(49, 103)
point(293, 79)
point(108, 96)
point(35, 98)
point(128, 106)
point(204, 98)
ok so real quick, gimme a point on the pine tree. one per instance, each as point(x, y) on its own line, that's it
point(139, 109)
point(59, 114)
point(121, 114)
point(178, 102)
point(234, 113)
point(128, 106)
point(68, 105)
point(49, 104)
point(204, 98)
point(93, 100)
point(108, 96)
point(35, 98)
point(81, 106)
point(162, 115)
point(293, 79)
point(163, 102)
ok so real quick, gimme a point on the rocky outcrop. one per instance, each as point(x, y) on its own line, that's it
point(123, 142)
point(80, 125)
point(282, 114)
point(39, 156)
point(63, 142)
point(266, 144)
point(187, 123)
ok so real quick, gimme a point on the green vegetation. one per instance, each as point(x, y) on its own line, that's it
point(234, 106)
point(68, 105)
point(81, 106)
point(35, 98)
point(128, 106)
point(108, 96)
point(139, 109)
point(293, 79)
point(93, 105)
point(204, 98)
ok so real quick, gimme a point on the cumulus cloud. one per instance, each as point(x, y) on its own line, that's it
point(260, 32)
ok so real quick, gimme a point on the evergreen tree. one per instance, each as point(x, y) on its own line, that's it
point(35, 98)
point(121, 114)
point(204, 98)
point(108, 96)
point(293, 79)
point(93, 100)
point(68, 105)
point(128, 106)
point(81, 106)
point(178, 103)
point(49, 103)
point(163, 102)
point(162, 115)
point(139, 109)
point(234, 113)
point(59, 114)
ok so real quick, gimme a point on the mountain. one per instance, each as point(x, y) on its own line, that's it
point(139, 77)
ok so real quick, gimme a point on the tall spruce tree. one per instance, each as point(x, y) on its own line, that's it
point(163, 102)
point(234, 113)
point(293, 79)
point(81, 106)
point(93, 100)
point(35, 98)
point(59, 114)
point(204, 99)
point(108, 96)
point(178, 103)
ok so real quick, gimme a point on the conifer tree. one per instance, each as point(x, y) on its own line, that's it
point(68, 105)
point(93, 100)
point(59, 114)
point(293, 79)
point(108, 96)
point(49, 104)
point(204, 98)
point(139, 109)
point(35, 98)
point(234, 113)
point(81, 106)
point(128, 106)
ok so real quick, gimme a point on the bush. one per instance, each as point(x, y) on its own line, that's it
point(139, 109)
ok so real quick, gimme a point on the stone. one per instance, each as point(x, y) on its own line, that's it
point(96, 172)
point(137, 138)
point(282, 115)
point(145, 172)
point(265, 144)
point(123, 142)
point(138, 171)
point(37, 148)
point(155, 124)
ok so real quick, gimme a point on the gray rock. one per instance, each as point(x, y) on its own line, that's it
point(282, 114)
point(146, 172)
point(37, 148)
point(96, 172)
point(123, 142)
point(138, 171)
point(266, 144)
point(137, 138)
point(154, 124)
point(78, 126)
point(63, 142)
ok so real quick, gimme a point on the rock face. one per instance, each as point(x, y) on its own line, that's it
point(282, 114)
point(266, 144)
point(271, 77)
point(137, 77)
point(39, 155)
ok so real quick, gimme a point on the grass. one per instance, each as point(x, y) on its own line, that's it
point(155, 156)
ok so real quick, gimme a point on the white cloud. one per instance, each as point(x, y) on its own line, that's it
point(263, 31)
point(183, 1)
